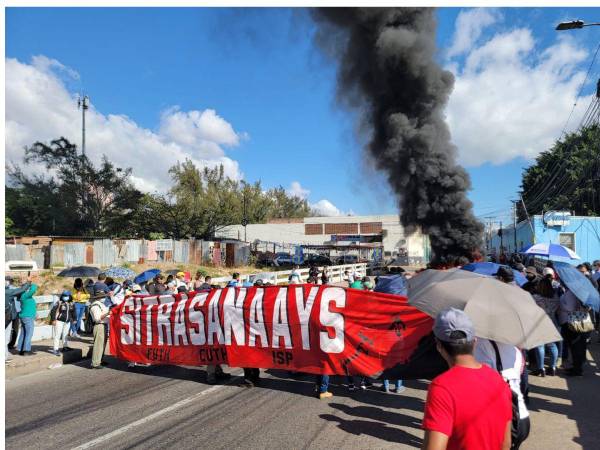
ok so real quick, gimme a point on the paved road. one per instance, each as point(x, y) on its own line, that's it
point(172, 407)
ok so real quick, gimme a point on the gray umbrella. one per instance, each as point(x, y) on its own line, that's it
point(500, 312)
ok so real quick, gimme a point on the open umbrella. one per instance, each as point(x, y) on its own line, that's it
point(146, 275)
point(80, 271)
point(578, 284)
point(550, 250)
point(490, 269)
point(500, 312)
point(119, 272)
point(393, 284)
point(173, 271)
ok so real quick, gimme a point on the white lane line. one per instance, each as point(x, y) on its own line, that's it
point(152, 416)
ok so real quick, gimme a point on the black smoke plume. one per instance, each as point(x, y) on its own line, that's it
point(387, 72)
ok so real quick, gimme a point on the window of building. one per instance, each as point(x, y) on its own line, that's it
point(567, 240)
point(313, 228)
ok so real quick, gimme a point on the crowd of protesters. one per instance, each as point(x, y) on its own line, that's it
point(481, 372)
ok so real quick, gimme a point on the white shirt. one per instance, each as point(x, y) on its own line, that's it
point(512, 365)
point(295, 277)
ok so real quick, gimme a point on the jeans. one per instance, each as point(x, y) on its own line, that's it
point(27, 325)
point(386, 384)
point(7, 333)
point(79, 310)
point(322, 383)
point(541, 353)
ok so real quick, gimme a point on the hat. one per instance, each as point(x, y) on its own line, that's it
point(505, 273)
point(180, 274)
point(548, 271)
point(65, 294)
point(136, 288)
point(450, 320)
point(531, 269)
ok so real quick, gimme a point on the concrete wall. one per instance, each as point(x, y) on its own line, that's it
point(394, 236)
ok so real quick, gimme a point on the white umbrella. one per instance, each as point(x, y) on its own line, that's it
point(500, 312)
point(548, 249)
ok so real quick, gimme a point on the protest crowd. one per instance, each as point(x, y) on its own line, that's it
point(485, 379)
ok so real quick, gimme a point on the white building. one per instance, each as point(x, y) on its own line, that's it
point(366, 236)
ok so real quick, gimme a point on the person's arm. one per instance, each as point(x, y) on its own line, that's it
point(507, 436)
point(434, 440)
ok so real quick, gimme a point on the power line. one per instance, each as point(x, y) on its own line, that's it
point(580, 90)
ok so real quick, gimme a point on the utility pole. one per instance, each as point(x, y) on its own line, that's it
point(84, 104)
point(515, 222)
point(501, 239)
point(245, 217)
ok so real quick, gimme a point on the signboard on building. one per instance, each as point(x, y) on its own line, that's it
point(346, 238)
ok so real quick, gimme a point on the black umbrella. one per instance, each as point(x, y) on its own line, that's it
point(173, 271)
point(80, 271)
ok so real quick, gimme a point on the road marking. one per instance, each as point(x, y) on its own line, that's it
point(152, 416)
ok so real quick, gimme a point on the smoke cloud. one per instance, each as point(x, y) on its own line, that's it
point(388, 74)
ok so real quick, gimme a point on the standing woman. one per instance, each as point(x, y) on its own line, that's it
point(548, 299)
point(80, 300)
point(27, 317)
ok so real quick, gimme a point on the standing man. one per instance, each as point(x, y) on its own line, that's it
point(27, 316)
point(100, 313)
point(469, 405)
point(11, 312)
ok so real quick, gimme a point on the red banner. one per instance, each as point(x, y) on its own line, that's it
point(305, 328)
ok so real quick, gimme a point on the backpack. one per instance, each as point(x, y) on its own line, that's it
point(514, 426)
point(10, 312)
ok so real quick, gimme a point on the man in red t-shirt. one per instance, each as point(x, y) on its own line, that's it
point(469, 406)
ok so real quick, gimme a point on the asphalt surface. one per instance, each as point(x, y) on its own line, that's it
point(172, 407)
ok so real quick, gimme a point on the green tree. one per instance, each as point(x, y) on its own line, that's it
point(566, 177)
point(77, 198)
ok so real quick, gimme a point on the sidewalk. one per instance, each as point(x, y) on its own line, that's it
point(43, 359)
point(564, 411)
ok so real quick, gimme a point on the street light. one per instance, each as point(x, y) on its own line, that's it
point(573, 25)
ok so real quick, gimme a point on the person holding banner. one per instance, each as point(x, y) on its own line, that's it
point(100, 314)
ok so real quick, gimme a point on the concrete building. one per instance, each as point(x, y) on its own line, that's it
point(369, 237)
point(579, 233)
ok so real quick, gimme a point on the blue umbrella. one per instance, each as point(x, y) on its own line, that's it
point(578, 284)
point(394, 284)
point(490, 269)
point(146, 275)
point(119, 272)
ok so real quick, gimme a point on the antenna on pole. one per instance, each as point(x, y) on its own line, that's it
point(84, 104)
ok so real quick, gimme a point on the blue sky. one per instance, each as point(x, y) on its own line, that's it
point(259, 70)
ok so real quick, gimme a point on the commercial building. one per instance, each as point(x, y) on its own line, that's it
point(368, 237)
point(579, 233)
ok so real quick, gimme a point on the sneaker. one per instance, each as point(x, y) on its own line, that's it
point(131, 364)
point(400, 390)
point(98, 367)
point(352, 388)
point(55, 352)
point(363, 386)
point(323, 395)
point(385, 389)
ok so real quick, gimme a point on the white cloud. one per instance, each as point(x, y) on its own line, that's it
point(297, 190)
point(511, 99)
point(39, 107)
point(326, 208)
point(469, 26)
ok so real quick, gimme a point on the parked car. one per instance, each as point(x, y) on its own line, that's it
point(283, 259)
point(317, 260)
point(347, 259)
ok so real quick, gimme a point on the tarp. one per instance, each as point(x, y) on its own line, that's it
point(306, 328)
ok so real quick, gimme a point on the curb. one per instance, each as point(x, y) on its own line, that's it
point(44, 361)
